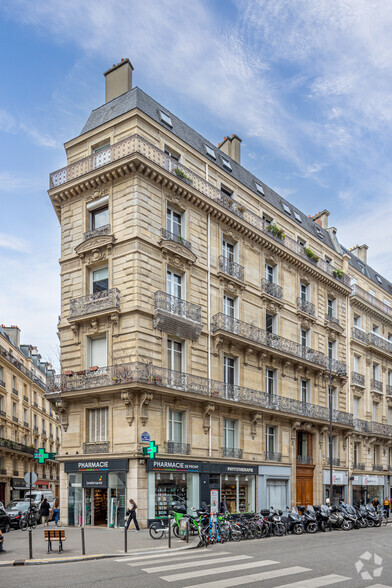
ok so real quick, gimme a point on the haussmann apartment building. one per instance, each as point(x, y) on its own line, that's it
point(204, 312)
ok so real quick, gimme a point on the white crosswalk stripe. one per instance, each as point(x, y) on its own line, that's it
point(239, 581)
point(195, 564)
point(225, 570)
point(142, 560)
point(317, 582)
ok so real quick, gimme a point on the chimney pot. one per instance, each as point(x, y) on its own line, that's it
point(232, 147)
point(360, 251)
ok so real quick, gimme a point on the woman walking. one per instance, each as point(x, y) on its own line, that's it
point(131, 514)
point(56, 510)
point(44, 512)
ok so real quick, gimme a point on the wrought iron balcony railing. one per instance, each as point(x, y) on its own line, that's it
point(372, 300)
point(104, 230)
point(372, 427)
point(224, 322)
point(99, 447)
point(16, 363)
point(335, 461)
point(331, 318)
point(379, 342)
point(359, 335)
point(15, 419)
point(231, 268)
point(357, 379)
point(376, 385)
point(306, 306)
point(2, 383)
point(304, 459)
point(180, 448)
point(273, 456)
point(106, 300)
point(15, 391)
point(147, 374)
point(25, 424)
point(232, 452)
point(358, 466)
point(8, 444)
point(168, 236)
point(272, 289)
point(377, 467)
point(3, 472)
point(26, 398)
point(137, 144)
point(388, 389)
point(3, 413)
point(177, 316)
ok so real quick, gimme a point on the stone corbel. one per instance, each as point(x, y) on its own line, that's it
point(255, 419)
point(248, 352)
point(113, 320)
point(261, 359)
point(323, 432)
point(218, 345)
point(75, 331)
point(128, 399)
point(346, 439)
point(317, 376)
point(285, 368)
point(145, 400)
point(62, 409)
point(295, 426)
point(208, 411)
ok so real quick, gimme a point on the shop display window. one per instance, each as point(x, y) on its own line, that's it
point(166, 488)
point(238, 493)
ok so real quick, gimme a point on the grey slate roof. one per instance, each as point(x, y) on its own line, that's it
point(368, 271)
point(136, 98)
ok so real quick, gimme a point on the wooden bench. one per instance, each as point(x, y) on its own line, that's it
point(54, 535)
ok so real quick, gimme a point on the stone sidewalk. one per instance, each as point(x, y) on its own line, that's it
point(99, 542)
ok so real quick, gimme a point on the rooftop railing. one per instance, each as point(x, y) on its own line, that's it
point(16, 363)
point(137, 144)
point(227, 323)
point(142, 373)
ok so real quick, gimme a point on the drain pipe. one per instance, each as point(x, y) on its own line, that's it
point(209, 314)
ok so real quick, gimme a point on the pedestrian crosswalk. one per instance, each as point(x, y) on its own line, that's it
point(224, 569)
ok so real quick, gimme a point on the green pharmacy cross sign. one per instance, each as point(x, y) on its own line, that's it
point(151, 451)
point(42, 456)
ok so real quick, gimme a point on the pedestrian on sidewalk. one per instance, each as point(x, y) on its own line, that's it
point(44, 512)
point(56, 510)
point(387, 506)
point(1, 541)
point(131, 514)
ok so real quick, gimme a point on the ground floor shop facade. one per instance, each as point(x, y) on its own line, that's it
point(365, 488)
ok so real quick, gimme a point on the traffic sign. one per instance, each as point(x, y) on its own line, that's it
point(42, 456)
point(33, 480)
point(151, 451)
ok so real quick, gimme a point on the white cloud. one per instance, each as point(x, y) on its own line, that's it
point(12, 242)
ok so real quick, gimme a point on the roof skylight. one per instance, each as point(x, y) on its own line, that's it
point(226, 163)
point(165, 118)
point(286, 208)
point(209, 151)
point(297, 217)
point(379, 280)
point(259, 188)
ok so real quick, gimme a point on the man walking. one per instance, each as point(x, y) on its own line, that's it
point(44, 512)
point(386, 505)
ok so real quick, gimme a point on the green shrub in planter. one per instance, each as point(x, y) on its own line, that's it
point(338, 273)
point(181, 174)
point(311, 254)
point(276, 231)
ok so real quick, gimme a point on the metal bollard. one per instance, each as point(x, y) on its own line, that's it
point(187, 531)
point(83, 544)
point(169, 534)
point(30, 543)
point(125, 538)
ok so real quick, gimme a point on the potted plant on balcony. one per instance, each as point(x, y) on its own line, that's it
point(276, 231)
point(180, 239)
point(338, 273)
point(311, 254)
point(241, 210)
point(93, 368)
point(68, 373)
point(81, 372)
point(181, 174)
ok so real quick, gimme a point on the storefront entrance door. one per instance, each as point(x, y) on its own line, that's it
point(304, 494)
point(277, 494)
point(96, 507)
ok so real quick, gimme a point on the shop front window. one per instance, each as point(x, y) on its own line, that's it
point(238, 493)
point(75, 499)
point(167, 488)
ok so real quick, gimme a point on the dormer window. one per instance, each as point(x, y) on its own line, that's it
point(286, 208)
point(165, 118)
point(297, 217)
point(226, 163)
point(259, 188)
point(379, 280)
point(173, 154)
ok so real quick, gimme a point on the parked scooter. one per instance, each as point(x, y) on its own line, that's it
point(350, 515)
point(273, 518)
point(293, 521)
point(372, 516)
point(362, 515)
point(337, 519)
point(309, 519)
point(322, 517)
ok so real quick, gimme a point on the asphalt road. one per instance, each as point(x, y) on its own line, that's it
point(310, 561)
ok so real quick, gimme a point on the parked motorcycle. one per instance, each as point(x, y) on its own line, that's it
point(372, 517)
point(322, 516)
point(308, 518)
point(273, 518)
point(337, 519)
point(293, 521)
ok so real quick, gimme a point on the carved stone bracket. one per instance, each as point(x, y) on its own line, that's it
point(218, 345)
point(323, 433)
point(145, 400)
point(208, 411)
point(285, 368)
point(294, 428)
point(128, 399)
point(95, 249)
point(346, 439)
point(62, 409)
point(248, 352)
point(255, 419)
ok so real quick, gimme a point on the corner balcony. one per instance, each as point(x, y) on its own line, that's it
point(177, 317)
point(272, 289)
point(98, 447)
point(14, 446)
point(231, 268)
point(176, 245)
point(274, 343)
point(306, 307)
point(178, 448)
point(97, 304)
point(367, 301)
point(168, 236)
point(138, 375)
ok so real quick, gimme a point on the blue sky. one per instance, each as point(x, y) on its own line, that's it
point(307, 86)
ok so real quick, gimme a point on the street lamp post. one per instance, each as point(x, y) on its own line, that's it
point(330, 432)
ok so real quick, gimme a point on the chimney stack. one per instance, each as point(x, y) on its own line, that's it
point(321, 218)
point(232, 147)
point(14, 333)
point(360, 251)
point(118, 79)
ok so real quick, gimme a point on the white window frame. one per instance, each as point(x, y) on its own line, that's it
point(170, 341)
point(307, 292)
point(273, 274)
point(268, 379)
point(170, 425)
point(226, 431)
point(170, 212)
point(274, 322)
point(274, 436)
point(226, 244)
point(89, 341)
point(306, 389)
point(226, 306)
point(173, 286)
point(98, 434)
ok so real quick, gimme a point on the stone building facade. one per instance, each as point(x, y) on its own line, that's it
point(27, 419)
point(202, 311)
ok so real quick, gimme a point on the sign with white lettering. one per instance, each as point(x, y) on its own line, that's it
point(101, 465)
point(94, 480)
